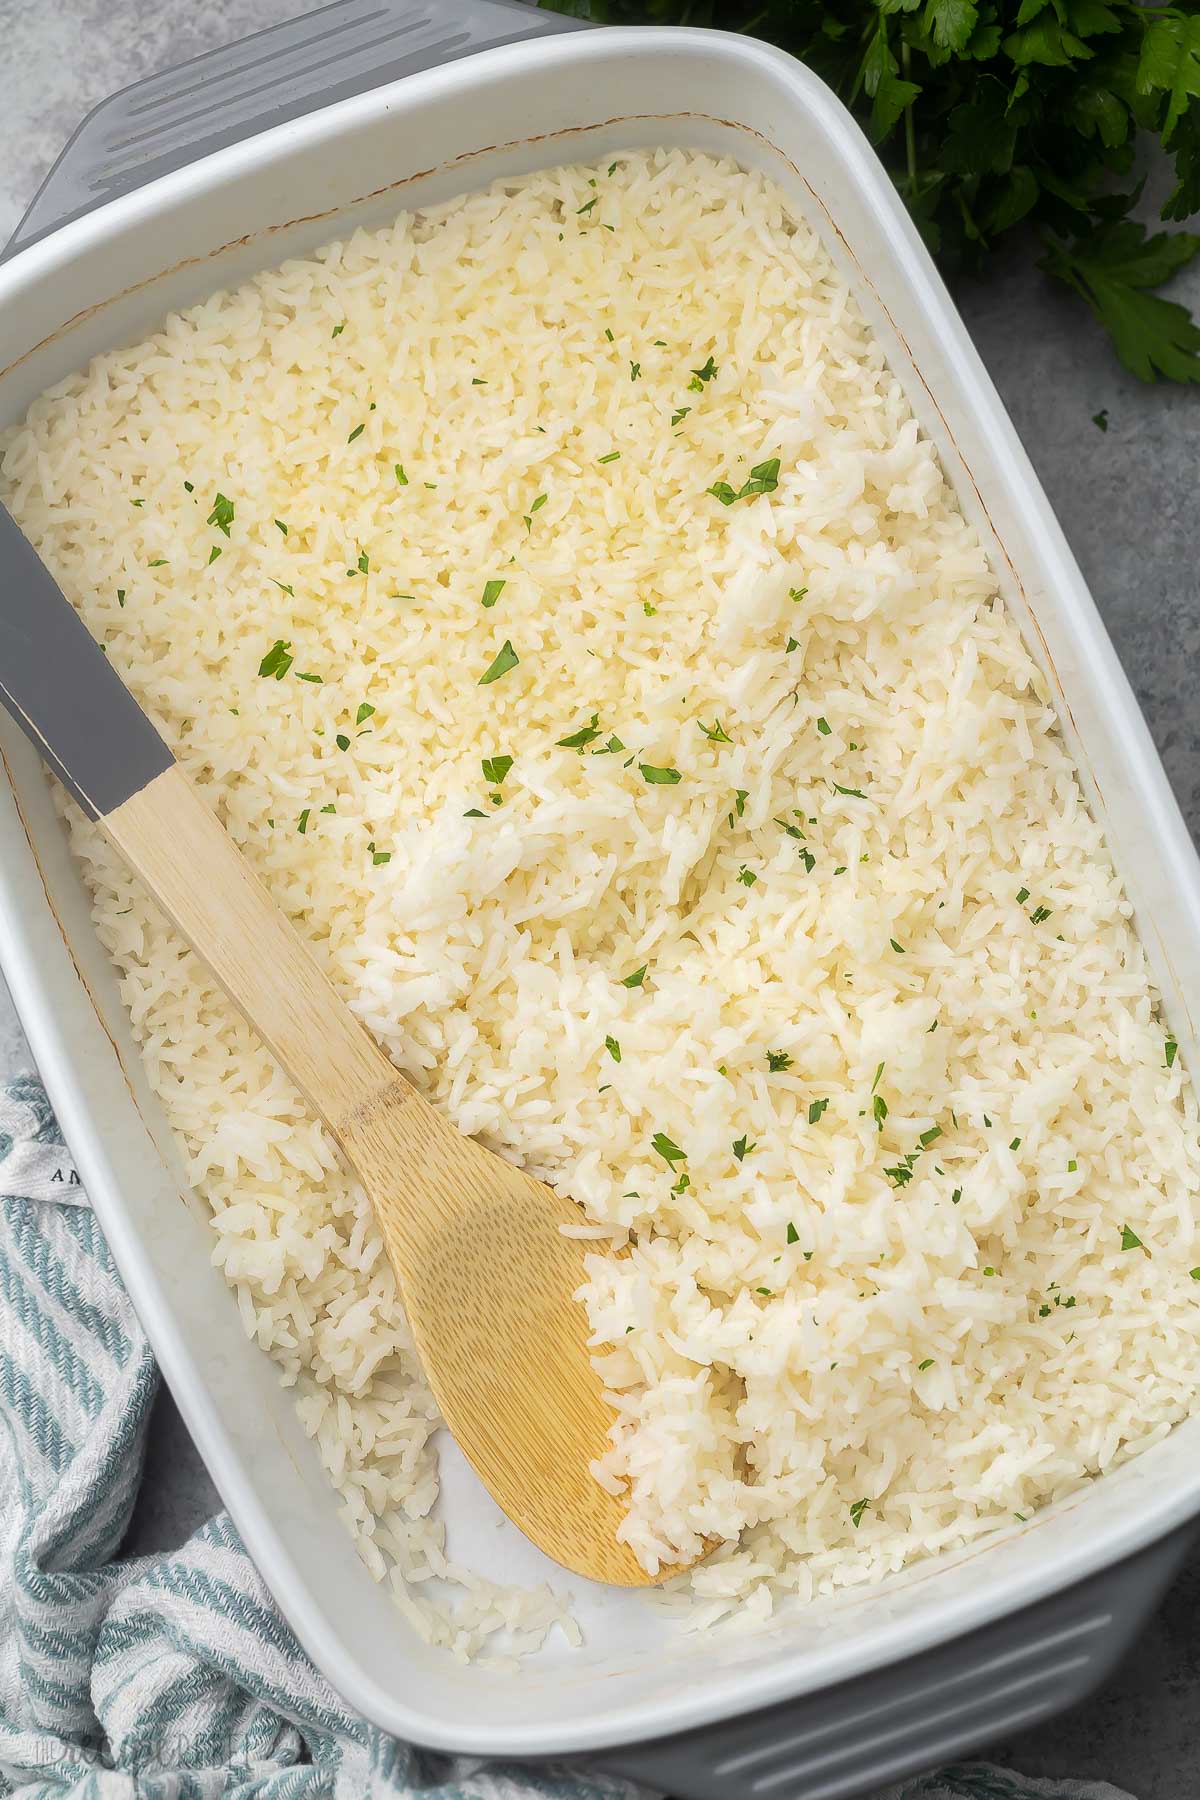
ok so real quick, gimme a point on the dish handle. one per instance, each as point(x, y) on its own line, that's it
point(180, 114)
point(857, 1737)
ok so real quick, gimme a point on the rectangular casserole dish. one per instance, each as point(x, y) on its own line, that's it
point(191, 182)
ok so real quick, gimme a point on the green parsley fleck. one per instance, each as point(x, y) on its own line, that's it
point(815, 1110)
point(956, 1196)
point(742, 1148)
point(856, 1513)
point(792, 644)
point(637, 979)
point(746, 876)
point(778, 1061)
point(580, 210)
point(989, 1270)
point(160, 562)
point(613, 1048)
point(793, 1236)
point(329, 807)
point(120, 596)
point(342, 741)
point(302, 676)
point(365, 711)
point(584, 736)
point(356, 433)
point(379, 856)
point(1100, 418)
point(278, 659)
point(763, 479)
point(635, 370)
point(213, 554)
point(222, 514)
point(1130, 1239)
point(823, 727)
point(189, 487)
point(668, 1150)
point(1022, 896)
point(137, 502)
point(495, 768)
point(1172, 1051)
point(766, 1292)
point(659, 777)
point(1016, 1144)
point(401, 477)
point(922, 1366)
point(363, 565)
point(473, 812)
point(851, 793)
point(1072, 1166)
point(798, 594)
point(715, 733)
point(505, 659)
point(930, 1137)
point(898, 948)
point(879, 1109)
point(1038, 914)
point(281, 585)
point(338, 329)
point(608, 334)
point(680, 414)
point(302, 821)
point(700, 376)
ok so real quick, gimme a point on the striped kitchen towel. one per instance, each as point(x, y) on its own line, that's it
point(173, 1677)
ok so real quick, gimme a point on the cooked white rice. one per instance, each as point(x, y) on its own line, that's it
point(931, 1268)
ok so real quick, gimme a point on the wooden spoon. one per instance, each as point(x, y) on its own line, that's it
point(485, 1273)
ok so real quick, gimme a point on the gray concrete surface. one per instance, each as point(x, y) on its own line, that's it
point(1127, 499)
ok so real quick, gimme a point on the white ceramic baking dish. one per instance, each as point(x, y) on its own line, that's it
point(192, 181)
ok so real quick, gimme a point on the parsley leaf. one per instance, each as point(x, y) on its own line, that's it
point(278, 659)
point(492, 591)
point(495, 768)
point(659, 777)
point(586, 734)
point(637, 979)
point(505, 659)
point(763, 479)
point(222, 514)
point(777, 1061)
point(667, 1149)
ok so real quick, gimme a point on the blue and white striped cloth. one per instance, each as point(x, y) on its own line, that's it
point(173, 1677)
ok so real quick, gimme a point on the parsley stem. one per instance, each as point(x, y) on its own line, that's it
point(910, 132)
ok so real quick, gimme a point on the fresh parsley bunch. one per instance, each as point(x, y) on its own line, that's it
point(998, 116)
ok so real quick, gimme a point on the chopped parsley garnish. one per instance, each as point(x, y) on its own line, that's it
point(1016, 1144)
point(222, 514)
point(342, 741)
point(700, 376)
point(586, 734)
point(879, 1109)
point(815, 1109)
point(901, 1173)
point(189, 487)
point(878, 1076)
point(1072, 1166)
point(1022, 896)
point(680, 414)
point(778, 1061)
point(808, 859)
point(1038, 914)
point(613, 747)
point(580, 210)
point(365, 711)
point(1195, 1274)
point(213, 554)
point(539, 503)
point(281, 585)
point(401, 477)
point(823, 727)
point(715, 733)
point(505, 659)
point(746, 876)
point(302, 676)
point(636, 979)
point(356, 433)
point(798, 594)
point(1172, 1051)
point(137, 502)
point(793, 1236)
point(930, 1137)
point(338, 329)
point(495, 768)
point(1100, 418)
point(363, 565)
point(329, 807)
point(635, 370)
point(742, 1148)
point(379, 856)
point(989, 1270)
point(668, 1150)
point(659, 777)
point(765, 1292)
point(608, 334)
point(613, 456)
point(762, 479)
point(613, 1048)
point(120, 596)
point(473, 812)
point(160, 562)
point(1130, 1239)
point(792, 644)
point(478, 381)
point(898, 948)
point(922, 1366)
point(278, 659)
point(956, 1196)
point(492, 590)
point(856, 1513)
point(851, 793)
point(302, 821)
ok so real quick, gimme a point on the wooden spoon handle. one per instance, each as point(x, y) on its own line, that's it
point(195, 871)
